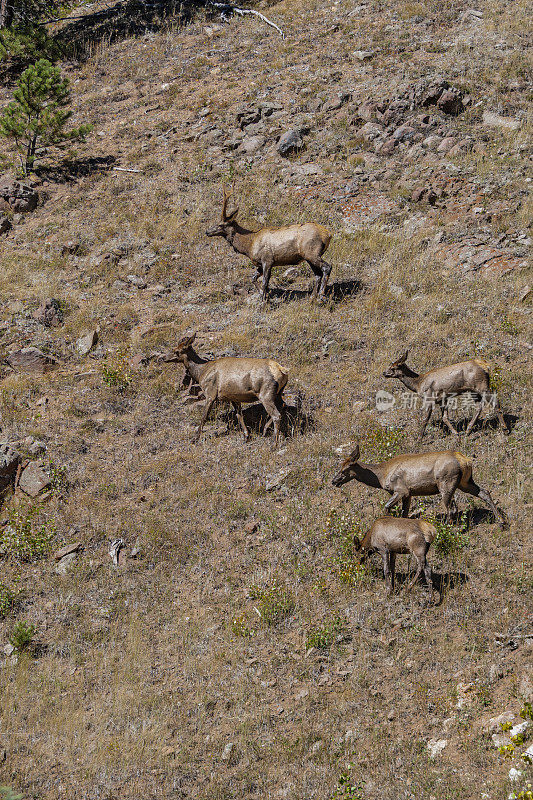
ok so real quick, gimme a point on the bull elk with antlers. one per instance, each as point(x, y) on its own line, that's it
point(235, 381)
point(277, 247)
point(438, 385)
point(419, 474)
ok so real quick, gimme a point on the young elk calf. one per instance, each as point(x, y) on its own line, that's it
point(269, 247)
point(438, 385)
point(390, 536)
point(236, 381)
point(414, 475)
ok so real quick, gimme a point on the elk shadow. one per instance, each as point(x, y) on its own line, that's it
point(336, 292)
point(442, 581)
point(491, 424)
point(294, 420)
point(68, 171)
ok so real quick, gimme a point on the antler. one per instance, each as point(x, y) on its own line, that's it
point(226, 197)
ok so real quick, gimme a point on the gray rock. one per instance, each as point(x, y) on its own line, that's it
point(436, 746)
point(364, 55)
point(19, 197)
point(291, 141)
point(85, 344)
point(64, 564)
point(30, 359)
point(227, 752)
point(497, 121)
point(33, 480)
point(9, 461)
point(49, 313)
point(136, 281)
point(251, 144)
point(60, 554)
point(370, 131)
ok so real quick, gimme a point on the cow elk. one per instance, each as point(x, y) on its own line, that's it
point(236, 381)
point(415, 475)
point(391, 536)
point(439, 385)
point(277, 247)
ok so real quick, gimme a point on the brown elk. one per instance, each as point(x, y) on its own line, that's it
point(391, 536)
point(418, 474)
point(236, 381)
point(271, 247)
point(438, 385)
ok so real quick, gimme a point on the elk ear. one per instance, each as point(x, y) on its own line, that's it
point(403, 358)
point(354, 455)
point(230, 217)
point(356, 543)
point(186, 341)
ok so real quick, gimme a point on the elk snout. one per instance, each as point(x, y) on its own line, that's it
point(389, 373)
point(339, 479)
point(216, 230)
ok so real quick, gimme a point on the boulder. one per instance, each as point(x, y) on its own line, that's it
point(251, 144)
point(18, 197)
point(85, 344)
point(49, 313)
point(5, 224)
point(33, 479)
point(30, 359)
point(9, 462)
point(291, 141)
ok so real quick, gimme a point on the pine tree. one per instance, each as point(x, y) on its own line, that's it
point(39, 113)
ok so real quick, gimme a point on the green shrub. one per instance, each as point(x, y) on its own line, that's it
point(346, 788)
point(379, 442)
point(8, 794)
point(240, 628)
point(450, 539)
point(323, 636)
point(274, 603)
point(116, 373)
point(344, 529)
point(24, 538)
point(7, 599)
point(22, 636)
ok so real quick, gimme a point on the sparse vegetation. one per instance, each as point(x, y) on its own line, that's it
point(26, 536)
point(273, 603)
point(22, 636)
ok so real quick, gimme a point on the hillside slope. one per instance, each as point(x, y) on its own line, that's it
point(237, 650)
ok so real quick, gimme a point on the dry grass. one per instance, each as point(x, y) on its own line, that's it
point(144, 674)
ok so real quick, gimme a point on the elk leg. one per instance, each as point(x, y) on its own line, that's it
point(475, 416)
point(406, 505)
point(428, 577)
point(425, 422)
point(274, 413)
point(238, 411)
point(317, 271)
point(396, 497)
point(207, 408)
point(500, 416)
point(258, 273)
point(392, 563)
point(446, 493)
point(483, 494)
point(386, 571)
point(326, 272)
point(446, 420)
point(418, 572)
point(267, 269)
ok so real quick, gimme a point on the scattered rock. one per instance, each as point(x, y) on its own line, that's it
point(436, 746)
point(85, 344)
point(364, 55)
point(8, 649)
point(524, 294)
point(33, 479)
point(18, 197)
point(450, 102)
point(276, 480)
point(291, 141)
point(515, 774)
point(227, 752)
point(66, 550)
point(9, 462)
point(5, 224)
point(527, 755)
point(64, 564)
point(30, 359)
point(251, 144)
point(251, 527)
point(136, 281)
point(497, 121)
point(446, 144)
point(370, 131)
point(495, 724)
point(525, 687)
point(495, 673)
point(49, 313)
point(500, 739)
point(520, 728)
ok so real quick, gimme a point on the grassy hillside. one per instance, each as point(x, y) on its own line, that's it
point(242, 653)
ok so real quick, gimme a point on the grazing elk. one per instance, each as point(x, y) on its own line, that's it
point(271, 247)
point(438, 385)
point(418, 474)
point(236, 381)
point(390, 536)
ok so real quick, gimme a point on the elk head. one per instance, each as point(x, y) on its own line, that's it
point(398, 367)
point(227, 221)
point(184, 345)
point(348, 470)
